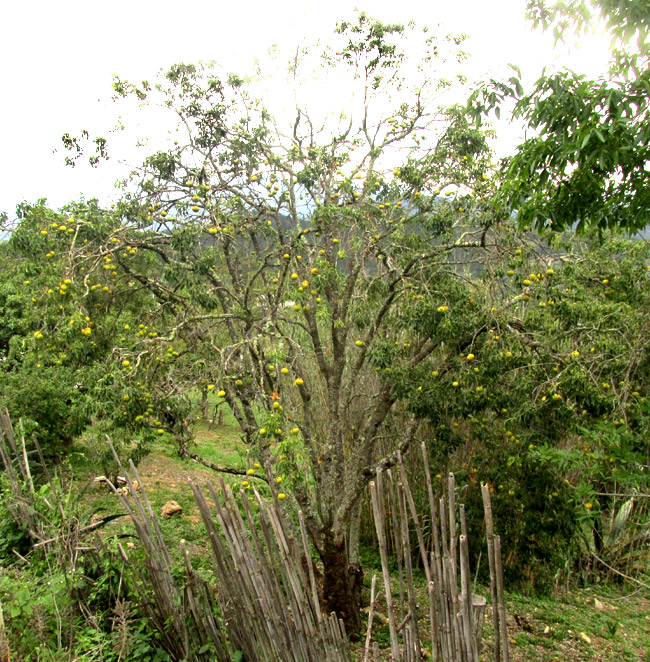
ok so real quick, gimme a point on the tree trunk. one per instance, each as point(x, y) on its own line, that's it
point(342, 584)
point(205, 404)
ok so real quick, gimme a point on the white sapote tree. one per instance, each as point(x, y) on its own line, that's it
point(298, 263)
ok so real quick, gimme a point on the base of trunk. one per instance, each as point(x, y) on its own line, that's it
point(342, 584)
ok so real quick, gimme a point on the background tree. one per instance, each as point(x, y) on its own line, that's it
point(586, 162)
point(64, 317)
point(547, 404)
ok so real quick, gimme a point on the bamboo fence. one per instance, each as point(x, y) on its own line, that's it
point(455, 615)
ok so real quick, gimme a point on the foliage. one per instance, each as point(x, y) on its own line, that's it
point(586, 164)
point(548, 403)
point(60, 371)
point(60, 590)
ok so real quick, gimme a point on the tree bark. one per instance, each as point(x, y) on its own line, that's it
point(342, 584)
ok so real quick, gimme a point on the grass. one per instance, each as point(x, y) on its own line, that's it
point(592, 624)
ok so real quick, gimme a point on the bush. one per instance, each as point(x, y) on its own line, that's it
point(50, 405)
point(533, 512)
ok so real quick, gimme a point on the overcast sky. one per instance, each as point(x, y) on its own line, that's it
point(58, 59)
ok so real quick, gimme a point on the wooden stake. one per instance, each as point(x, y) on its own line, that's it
point(489, 534)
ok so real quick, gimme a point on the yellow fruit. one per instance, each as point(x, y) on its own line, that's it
point(279, 479)
point(251, 472)
point(276, 405)
point(314, 270)
point(299, 382)
point(454, 384)
point(262, 432)
point(285, 371)
point(282, 495)
point(210, 387)
point(305, 283)
point(295, 430)
point(222, 394)
point(470, 357)
point(126, 363)
point(160, 431)
point(359, 343)
point(213, 231)
point(294, 276)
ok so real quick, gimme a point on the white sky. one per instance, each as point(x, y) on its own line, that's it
point(58, 59)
